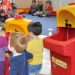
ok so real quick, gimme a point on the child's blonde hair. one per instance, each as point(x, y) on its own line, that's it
point(18, 38)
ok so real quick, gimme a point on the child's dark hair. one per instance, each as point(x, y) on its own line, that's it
point(2, 11)
point(14, 8)
point(34, 1)
point(50, 3)
point(35, 28)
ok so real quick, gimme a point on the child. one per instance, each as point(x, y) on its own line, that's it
point(3, 48)
point(10, 13)
point(39, 8)
point(12, 6)
point(33, 7)
point(18, 60)
point(3, 16)
point(14, 12)
point(48, 9)
point(35, 46)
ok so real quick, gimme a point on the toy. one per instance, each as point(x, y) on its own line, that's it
point(18, 24)
point(62, 43)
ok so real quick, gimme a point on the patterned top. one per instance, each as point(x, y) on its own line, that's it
point(3, 47)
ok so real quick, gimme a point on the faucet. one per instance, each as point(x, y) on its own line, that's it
point(67, 25)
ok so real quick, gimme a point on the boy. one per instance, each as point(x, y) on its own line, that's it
point(35, 46)
point(33, 7)
point(18, 60)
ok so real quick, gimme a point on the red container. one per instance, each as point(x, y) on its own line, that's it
point(6, 58)
point(62, 49)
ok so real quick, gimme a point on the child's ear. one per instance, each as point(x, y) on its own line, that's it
point(23, 41)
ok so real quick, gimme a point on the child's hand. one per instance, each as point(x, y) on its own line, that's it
point(7, 55)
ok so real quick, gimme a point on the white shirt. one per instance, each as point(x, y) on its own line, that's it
point(13, 51)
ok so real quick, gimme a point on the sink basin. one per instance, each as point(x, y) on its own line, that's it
point(62, 41)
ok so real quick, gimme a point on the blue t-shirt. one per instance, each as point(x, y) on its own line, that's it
point(19, 64)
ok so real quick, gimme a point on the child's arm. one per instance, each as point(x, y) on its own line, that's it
point(28, 55)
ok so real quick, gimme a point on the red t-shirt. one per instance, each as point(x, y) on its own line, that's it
point(48, 8)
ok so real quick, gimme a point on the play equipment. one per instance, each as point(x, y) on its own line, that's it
point(26, 10)
point(20, 10)
point(72, 3)
point(18, 24)
point(62, 43)
point(23, 10)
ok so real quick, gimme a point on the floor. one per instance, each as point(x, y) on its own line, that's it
point(47, 22)
point(46, 65)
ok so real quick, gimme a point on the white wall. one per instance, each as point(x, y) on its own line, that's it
point(26, 3)
point(66, 2)
point(23, 3)
point(60, 3)
point(55, 3)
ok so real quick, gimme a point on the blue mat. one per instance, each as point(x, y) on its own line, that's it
point(47, 22)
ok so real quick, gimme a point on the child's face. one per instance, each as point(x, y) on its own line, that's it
point(40, 2)
point(33, 3)
point(48, 4)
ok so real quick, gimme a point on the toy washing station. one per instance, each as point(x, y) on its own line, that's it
point(17, 24)
point(62, 43)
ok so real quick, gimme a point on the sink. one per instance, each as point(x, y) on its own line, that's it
point(62, 41)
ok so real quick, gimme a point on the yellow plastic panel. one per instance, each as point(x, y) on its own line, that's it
point(21, 25)
point(20, 10)
point(66, 13)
